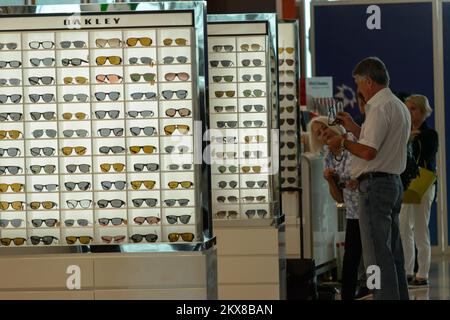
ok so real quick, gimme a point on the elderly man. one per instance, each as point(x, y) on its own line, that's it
point(380, 158)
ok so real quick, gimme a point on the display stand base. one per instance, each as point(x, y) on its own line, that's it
point(251, 263)
point(293, 238)
point(146, 275)
point(291, 209)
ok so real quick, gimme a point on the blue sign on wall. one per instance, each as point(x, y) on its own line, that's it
point(404, 41)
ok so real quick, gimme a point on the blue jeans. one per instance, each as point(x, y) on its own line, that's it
point(380, 200)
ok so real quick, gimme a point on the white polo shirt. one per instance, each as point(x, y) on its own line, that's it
point(387, 128)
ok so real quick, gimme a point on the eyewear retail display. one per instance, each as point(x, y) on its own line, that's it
point(289, 109)
point(97, 140)
point(240, 109)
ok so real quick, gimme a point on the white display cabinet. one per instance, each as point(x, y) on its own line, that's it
point(100, 112)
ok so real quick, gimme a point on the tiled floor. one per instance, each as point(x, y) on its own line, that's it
point(439, 279)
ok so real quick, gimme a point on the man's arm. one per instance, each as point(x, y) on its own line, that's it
point(347, 122)
point(375, 131)
point(360, 150)
point(355, 130)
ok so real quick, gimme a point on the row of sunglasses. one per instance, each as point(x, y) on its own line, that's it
point(230, 78)
point(246, 123)
point(246, 108)
point(100, 78)
point(256, 154)
point(234, 139)
point(78, 150)
point(99, 96)
point(86, 168)
point(136, 238)
point(130, 42)
point(247, 93)
point(101, 60)
point(229, 63)
point(37, 223)
point(250, 184)
point(244, 47)
point(234, 199)
point(99, 114)
point(99, 43)
point(86, 185)
point(234, 169)
point(102, 132)
point(233, 214)
point(86, 203)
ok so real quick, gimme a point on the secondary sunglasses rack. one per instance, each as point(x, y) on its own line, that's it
point(289, 110)
point(104, 153)
point(240, 120)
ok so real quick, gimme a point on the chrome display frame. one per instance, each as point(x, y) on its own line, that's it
point(198, 9)
point(272, 32)
point(298, 189)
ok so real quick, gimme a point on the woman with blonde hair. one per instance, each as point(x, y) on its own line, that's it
point(337, 174)
point(414, 218)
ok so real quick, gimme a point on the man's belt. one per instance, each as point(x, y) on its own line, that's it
point(368, 175)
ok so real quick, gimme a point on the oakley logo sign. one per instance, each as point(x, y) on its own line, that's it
point(73, 282)
point(78, 21)
point(373, 277)
point(374, 20)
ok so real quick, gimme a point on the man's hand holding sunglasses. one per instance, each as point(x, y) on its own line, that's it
point(346, 120)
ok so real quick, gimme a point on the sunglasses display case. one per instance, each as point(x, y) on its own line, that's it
point(101, 172)
point(242, 116)
point(290, 151)
point(244, 145)
point(97, 131)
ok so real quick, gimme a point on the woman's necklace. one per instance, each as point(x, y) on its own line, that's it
point(340, 157)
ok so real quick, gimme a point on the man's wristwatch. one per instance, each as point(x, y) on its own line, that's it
point(343, 143)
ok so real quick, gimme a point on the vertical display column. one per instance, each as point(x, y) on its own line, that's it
point(288, 110)
point(13, 217)
point(140, 79)
point(176, 94)
point(109, 136)
point(41, 137)
point(223, 84)
point(239, 122)
point(253, 127)
point(75, 137)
